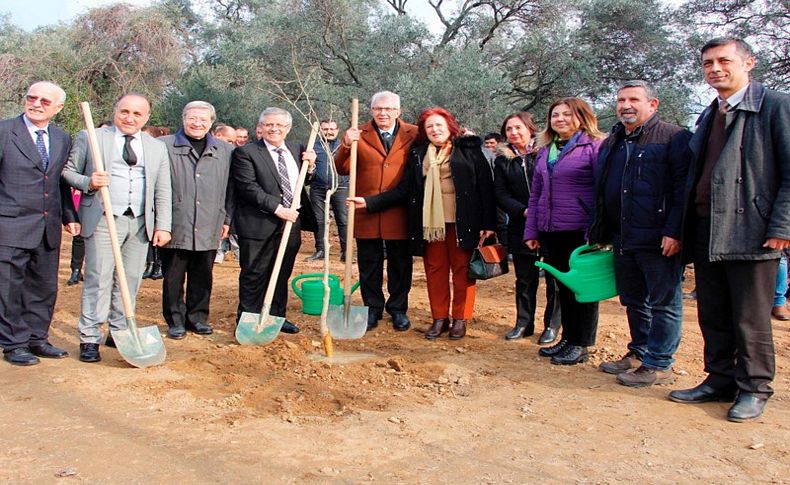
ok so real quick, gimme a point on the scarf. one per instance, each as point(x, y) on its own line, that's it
point(432, 207)
point(555, 152)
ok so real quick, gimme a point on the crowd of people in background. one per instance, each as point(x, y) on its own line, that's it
point(659, 195)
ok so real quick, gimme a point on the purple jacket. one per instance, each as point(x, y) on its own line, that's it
point(565, 201)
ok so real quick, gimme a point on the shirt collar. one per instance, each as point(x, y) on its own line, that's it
point(33, 128)
point(272, 148)
point(120, 134)
point(736, 98)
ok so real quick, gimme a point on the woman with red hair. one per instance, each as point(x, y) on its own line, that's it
point(449, 190)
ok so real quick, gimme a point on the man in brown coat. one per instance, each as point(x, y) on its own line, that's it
point(382, 151)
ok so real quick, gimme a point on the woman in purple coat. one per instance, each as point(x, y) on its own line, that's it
point(560, 210)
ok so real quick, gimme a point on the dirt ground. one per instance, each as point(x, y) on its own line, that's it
point(480, 410)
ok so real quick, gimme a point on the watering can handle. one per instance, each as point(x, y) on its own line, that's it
point(298, 288)
point(583, 248)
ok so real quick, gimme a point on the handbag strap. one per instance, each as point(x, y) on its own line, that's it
point(483, 239)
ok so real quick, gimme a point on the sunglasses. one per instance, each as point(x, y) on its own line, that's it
point(44, 101)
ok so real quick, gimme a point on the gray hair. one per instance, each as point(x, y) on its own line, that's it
point(49, 84)
point(199, 105)
point(638, 83)
point(275, 111)
point(385, 95)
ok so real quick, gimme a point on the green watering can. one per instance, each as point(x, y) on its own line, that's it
point(591, 274)
point(311, 291)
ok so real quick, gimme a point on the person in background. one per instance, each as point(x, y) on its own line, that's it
point(490, 142)
point(153, 263)
point(451, 210)
point(779, 311)
point(513, 174)
point(243, 136)
point(224, 133)
point(560, 210)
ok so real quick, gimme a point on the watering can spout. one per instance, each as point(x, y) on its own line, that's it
point(564, 278)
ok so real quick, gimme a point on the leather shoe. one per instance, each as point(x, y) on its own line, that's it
point(747, 407)
point(315, 256)
point(75, 278)
point(48, 351)
point(176, 332)
point(89, 353)
point(156, 273)
point(373, 319)
point(573, 354)
point(520, 331)
point(553, 350)
point(289, 327)
point(548, 336)
point(149, 270)
point(20, 356)
point(200, 328)
point(702, 393)
point(458, 330)
point(440, 325)
point(780, 313)
point(400, 322)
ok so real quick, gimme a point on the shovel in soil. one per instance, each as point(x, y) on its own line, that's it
point(348, 322)
point(141, 347)
point(262, 328)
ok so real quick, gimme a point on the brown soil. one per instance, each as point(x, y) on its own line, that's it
point(480, 410)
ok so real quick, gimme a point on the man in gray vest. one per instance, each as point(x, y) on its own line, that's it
point(199, 169)
point(137, 172)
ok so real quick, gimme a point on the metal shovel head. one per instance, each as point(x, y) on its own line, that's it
point(141, 347)
point(347, 322)
point(258, 328)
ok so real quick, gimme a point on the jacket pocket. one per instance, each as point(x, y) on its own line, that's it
point(764, 206)
point(9, 210)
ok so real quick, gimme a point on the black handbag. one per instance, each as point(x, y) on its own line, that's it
point(488, 261)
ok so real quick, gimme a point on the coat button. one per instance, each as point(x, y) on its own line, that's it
point(739, 180)
point(739, 210)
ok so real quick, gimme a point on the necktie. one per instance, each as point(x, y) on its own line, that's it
point(128, 153)
point(42, 148)
point(285, 183)
point(386, 138)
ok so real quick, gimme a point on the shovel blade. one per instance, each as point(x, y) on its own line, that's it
point(258, 328)
point(347, 323)
point(141, 347)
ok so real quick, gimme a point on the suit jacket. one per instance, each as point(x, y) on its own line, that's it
point(158, 196)
point(379, 171)
point(33, 203)
point(257, 192)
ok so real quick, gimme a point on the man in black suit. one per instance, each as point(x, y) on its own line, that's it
point(264, 179)
point(32, 206)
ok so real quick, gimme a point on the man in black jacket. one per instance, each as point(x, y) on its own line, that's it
point(639, 209)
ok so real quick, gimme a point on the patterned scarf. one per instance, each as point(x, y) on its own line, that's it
point(432, 206)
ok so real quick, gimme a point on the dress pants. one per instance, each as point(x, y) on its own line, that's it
point(441, 258)
point(77, 252)
point(527, 281)
point(370, 257)
point(28, 290)
point(257, 263)
point(734, 309)
point(101, 295)
point(579, 320)
point(194, 267)
point(339, 209)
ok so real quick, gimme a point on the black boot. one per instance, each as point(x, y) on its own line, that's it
point(75, 278)
point(149, 270)
point(521, 330)
point(156, 273)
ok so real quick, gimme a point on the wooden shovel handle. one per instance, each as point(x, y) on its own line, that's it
point(104, 192)
point(352, 190)
point(278, 262)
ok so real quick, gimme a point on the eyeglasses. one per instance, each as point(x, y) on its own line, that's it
point(44, 101)
point(279, 126)
point(194, 119)
point(386, 109)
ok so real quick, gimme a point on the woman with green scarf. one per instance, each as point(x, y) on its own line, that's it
point(449, 190)
point(560, 211)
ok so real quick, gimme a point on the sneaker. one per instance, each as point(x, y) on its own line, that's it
point(627, 362)
point(644, 377)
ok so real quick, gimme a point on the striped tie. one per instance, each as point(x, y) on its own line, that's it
point(42, 148)
point(285, 183)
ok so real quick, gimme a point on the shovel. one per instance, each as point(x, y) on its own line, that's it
point(141, 347)
point(262, 328)
point(349, 322)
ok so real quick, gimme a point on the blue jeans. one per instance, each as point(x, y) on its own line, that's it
point(781, 283)
point(650, 289)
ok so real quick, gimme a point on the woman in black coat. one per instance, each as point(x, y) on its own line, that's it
point(513, 169)
point(449, 190)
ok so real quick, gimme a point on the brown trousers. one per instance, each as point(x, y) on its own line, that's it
point(440, 258)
